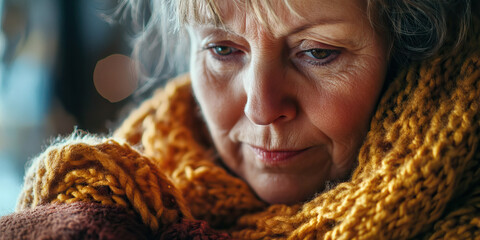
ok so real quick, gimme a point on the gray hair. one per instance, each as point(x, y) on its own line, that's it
point(416, 29)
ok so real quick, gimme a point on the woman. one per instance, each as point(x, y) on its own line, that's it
point(298, 119)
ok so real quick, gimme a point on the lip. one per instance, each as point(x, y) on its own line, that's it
point(276, 157)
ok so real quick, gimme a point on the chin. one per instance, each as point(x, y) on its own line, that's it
point(285, 193)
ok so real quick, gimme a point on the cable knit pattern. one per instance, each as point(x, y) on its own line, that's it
point(104, 171)
point(418, 173)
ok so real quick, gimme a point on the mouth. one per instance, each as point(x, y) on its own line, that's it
point(275, 157)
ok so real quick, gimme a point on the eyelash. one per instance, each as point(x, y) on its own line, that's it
point(331, 54)
point(212, 48)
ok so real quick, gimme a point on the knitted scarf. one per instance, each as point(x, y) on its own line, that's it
point(418, 171)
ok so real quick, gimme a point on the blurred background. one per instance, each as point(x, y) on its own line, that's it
point(48, 51)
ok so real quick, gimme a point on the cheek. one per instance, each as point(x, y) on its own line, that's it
point(344, 118)
point(221, 109)
point(346, 108)
point(216, 98)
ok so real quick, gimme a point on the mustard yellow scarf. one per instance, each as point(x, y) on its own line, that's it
point(418, 173)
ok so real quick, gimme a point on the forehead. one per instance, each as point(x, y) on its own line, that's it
point(275, 15)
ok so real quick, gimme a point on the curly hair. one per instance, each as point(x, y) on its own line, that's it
point(419, 28)
point(415, 29)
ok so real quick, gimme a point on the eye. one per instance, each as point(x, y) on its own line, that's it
point(318, 56)
point(319, 53)
point(222, 52)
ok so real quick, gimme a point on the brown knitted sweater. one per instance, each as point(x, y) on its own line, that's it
point(418, 173)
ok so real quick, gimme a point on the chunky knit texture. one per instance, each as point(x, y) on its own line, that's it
point(418, 173)
point(103, 171)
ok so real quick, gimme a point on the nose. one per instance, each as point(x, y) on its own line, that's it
point(270, 97)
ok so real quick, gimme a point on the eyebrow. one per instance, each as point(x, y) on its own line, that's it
point(343, 41)
point(313, 24)
point(215, 27)
point(224, 27)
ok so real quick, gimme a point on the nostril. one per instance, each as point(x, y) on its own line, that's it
point(257, 115)
point(281, 118)
point(264, 114)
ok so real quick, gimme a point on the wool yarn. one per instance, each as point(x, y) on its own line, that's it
point(418, 173)
point(102, 171)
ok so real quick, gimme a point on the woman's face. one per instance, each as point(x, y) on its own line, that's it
point(289, 107)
